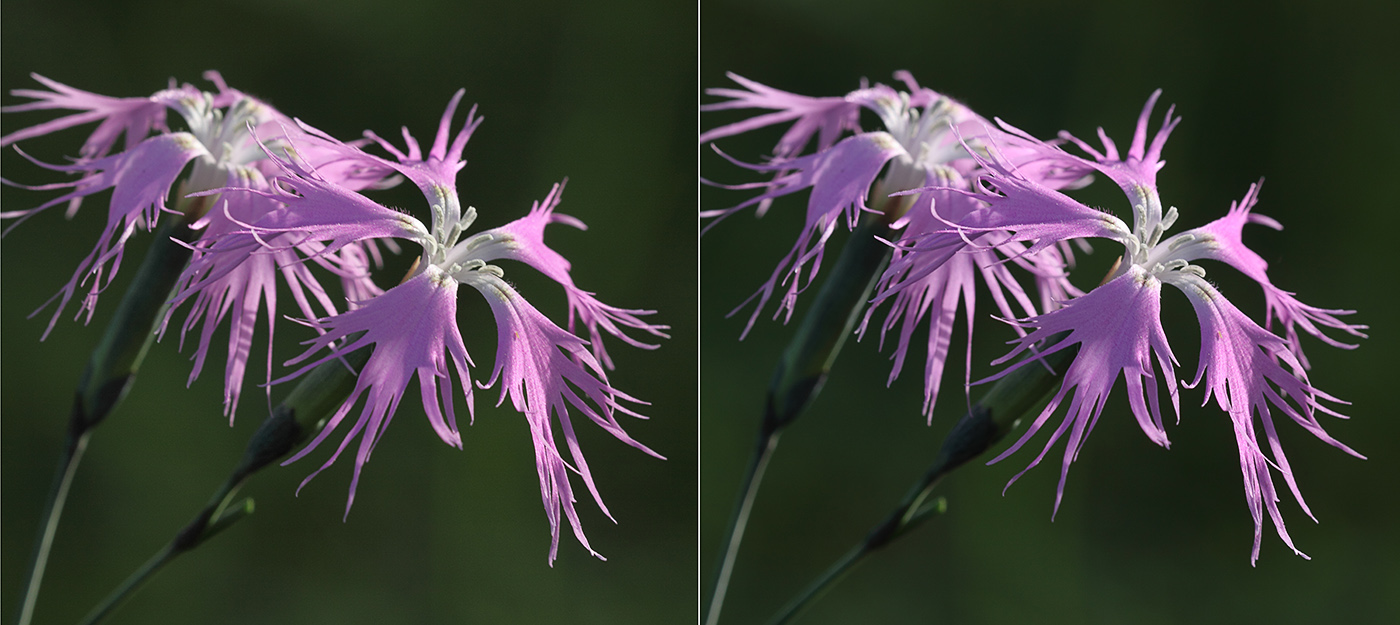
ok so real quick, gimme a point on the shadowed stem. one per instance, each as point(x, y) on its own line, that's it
point(803, 370)
point(215, 518)
point(836, 573)
point(301, 414)
point(53, 509)
point(994, 416)
point(749, 491)
point(110, 370)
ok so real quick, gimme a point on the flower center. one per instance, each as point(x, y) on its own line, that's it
point(926, 137)
point(1145, 249)
point(225, 135)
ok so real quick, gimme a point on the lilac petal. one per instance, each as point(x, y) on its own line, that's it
point(1223, 240)
point(242, 292)
point(322, 210)
point(933, 291)
point(928, 236)
point(523, 240)
point(840, 179)
point(1140, 168)
point(1034, 212)
point(1240, 363)
point(353, 266)
point(438, 171)
point(238, 281)
point(413, 329)
point(540, 365)
point(135, 117)
point(825, 117)
point(1118, 328)
point(140, 179)
point(1042, 161)
point(935, 297)
point(959, 221)
point(227, 95)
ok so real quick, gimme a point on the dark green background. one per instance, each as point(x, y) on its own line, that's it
point(1303, 94)
point(603, 93)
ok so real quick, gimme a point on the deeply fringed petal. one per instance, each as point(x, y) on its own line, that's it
point(321, 209)
point(236, 282)
point(437, 171)
point(1139, 168)
point(141, 179)
point(412, 329)
point(1242, 365)
point(928, 286)
point(825, 118)
point(840, 179)
point(1033, 212)
point(1118, 329)
point(544, 370)
point(134, 117)
point(523, 240)
point(1223, 240)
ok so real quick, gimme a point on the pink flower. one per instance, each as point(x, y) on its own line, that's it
point(923, 142)
point(546, 371)
point(219, 142)
point(1250, 372)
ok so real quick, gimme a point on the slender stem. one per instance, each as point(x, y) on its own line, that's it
point(130, 586)
point(110, 370)
point(748, 491)
point(996, 414)
point(912, 512)
point(281, 430)
point(824, 583)
point(197, 532)
point(301, 414)
point(53, 509)
point(802, 371)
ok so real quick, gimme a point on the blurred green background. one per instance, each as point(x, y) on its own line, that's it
point(603, 93)
point(1301, 93)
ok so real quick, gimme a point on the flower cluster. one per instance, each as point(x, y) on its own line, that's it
point(975, 197)
point(278, 196)
point(926, 141)
point(221, 152)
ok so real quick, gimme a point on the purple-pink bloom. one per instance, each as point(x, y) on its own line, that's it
point(140, 180)
point(546, 371)
point(1250, 371)
point(219, 150)
point(135, 117)
point(924, 141)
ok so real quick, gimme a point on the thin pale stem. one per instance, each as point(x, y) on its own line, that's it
point(213, 519)
point(53, 509)
point(748, 491)
point(110, 370)
point(996, 414)
point(824, 583)
point(301, 414)
point(130, 586)
point(803, 369)
point(913, 511)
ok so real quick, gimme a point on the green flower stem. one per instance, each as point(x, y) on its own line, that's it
point(808, 358)
point(803, 370)
point(998, 413)
point(291, 422)
point(53, 509)
point(838, 571)
point(176, 547)
point(110, 371)
point(740, 520)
